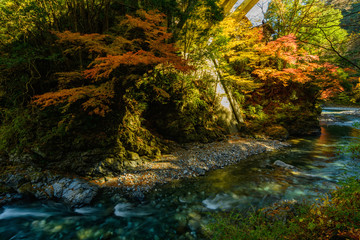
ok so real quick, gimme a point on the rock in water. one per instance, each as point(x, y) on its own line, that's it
point(74, 192)
point(281, 164)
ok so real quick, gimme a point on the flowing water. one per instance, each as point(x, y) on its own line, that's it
point(180, 210)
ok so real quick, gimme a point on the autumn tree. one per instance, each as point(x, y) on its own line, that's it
point(277, 82)
point(116, 61)
point(315, 24)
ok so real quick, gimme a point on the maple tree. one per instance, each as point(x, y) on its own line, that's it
point(275, 80)
point(318, 25)
point(142, 46)
point(284, 62)
point(293, 81)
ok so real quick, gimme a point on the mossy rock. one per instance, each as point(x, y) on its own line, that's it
point(277, 132)
point(26, 188)
point(5, 189)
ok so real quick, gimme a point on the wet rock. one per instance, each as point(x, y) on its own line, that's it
point(74, 192)
point(293, 170)
point(43, 185)
point(26, 188)
point(329, 118)
point(286, 166)
point(181, 223)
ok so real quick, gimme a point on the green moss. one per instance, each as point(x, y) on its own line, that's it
point(5, 189)
point(26, 188)
point(277, 132)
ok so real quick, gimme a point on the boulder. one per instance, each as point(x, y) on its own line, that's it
point(75, 192)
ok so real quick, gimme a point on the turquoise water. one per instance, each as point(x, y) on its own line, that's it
point(180, 210)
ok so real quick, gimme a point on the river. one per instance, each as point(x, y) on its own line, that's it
point(181, 209)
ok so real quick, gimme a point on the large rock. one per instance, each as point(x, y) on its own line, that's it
point(75, 192)
point(72, 191)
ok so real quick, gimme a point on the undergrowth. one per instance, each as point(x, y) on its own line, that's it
point(335, 216)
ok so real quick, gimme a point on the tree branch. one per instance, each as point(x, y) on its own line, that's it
point(337, 53)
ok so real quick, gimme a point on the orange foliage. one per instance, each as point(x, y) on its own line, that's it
point(287, 63)
point(143, 45)
point(284, 48)
point(94, 100)
point(76, 41)
point(152, 50)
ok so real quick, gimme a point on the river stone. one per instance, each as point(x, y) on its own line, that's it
point(74, 192)
point(286, 166)
point(9, 197)
point(59, 187)
point(49, 190)
point(281, 211)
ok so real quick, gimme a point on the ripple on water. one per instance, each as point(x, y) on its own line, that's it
point(129, 210)
point(87, 210)
point(9, 213)
point(224, 201)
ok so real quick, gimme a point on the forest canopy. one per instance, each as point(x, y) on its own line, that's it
point(128, 77)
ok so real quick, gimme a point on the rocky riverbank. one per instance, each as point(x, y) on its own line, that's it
point(34, 183)
point(191, 160)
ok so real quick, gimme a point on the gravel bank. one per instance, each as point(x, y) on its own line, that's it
point(193, 161)
point(190, 161)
